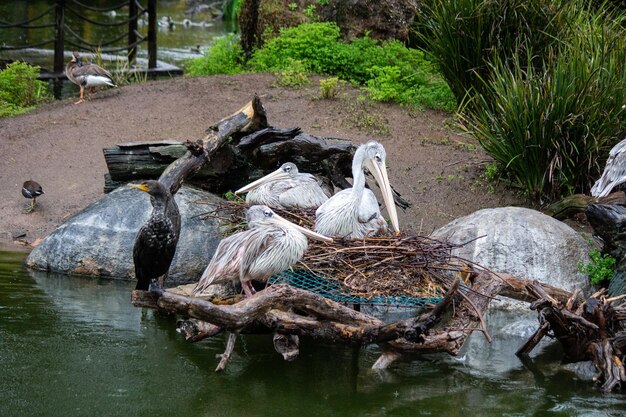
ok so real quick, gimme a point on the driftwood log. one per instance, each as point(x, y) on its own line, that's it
point(587, 331)
point(287, 310)
point(238, 162)
point(576, 204)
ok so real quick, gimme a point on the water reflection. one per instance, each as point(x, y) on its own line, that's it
point(73, 346)
point(187, 37)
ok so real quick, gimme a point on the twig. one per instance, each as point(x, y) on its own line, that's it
point(225, 357)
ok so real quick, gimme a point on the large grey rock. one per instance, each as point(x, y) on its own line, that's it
point(521, 242)
point(99, 240)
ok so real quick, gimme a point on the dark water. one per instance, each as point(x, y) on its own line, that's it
point(72, 346)
point(175, 45)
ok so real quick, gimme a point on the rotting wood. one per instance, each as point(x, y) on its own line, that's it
point(288, 310)
point(586, 331)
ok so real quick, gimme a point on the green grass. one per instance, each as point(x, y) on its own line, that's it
point(20, 90)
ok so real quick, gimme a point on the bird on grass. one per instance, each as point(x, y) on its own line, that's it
point(354, 213)
point(155, 244)
point(87, 75)
point(614, 172)
point(32, 190)
point(285, 188)
point(269, 246)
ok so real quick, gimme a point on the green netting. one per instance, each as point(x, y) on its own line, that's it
point(336, 291)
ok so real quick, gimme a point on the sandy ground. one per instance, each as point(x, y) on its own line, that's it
point(60, 146)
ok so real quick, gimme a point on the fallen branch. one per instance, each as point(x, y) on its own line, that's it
point(585, 331)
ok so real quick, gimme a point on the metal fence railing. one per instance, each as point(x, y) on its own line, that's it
point(62, 35)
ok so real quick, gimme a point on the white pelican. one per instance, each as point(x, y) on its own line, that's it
point(354, 212)
point(285, 188)
point(614, 171)
point(85, 74)
point(269, 246)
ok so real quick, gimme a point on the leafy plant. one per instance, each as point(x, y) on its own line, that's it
point(390, 71)
point(294, 76)
point(224, 57)
point(465, 36)
point(491, 171)
point(601, 268)
point(329, 87)
point(293, 6)
point(20, 90)
point(309, 12)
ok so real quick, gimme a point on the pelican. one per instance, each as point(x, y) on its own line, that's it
point(269, 246)
point(285, 188)
point(614, 171)
point(87, 75)
point(354, 212)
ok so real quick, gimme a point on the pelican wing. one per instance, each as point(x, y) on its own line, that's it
point(305, 193)
point(226, 262)
point(368, 209)
point(614, 172)
point(234, 257)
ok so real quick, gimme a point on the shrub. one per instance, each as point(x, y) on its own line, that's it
point(390, 71)
point(549, 125)
point(601, 268)
point(293, 76)
point(224, 57)
point(316, 45)
point(20, 90)
point(465, 36)
point(329, 87)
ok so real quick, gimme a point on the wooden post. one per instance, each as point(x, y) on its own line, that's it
point(152, 34)
point(59, 32)
point(132, 34)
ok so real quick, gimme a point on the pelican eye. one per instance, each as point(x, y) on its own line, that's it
point(378, 158)
point(287, 168)
point(267, 213)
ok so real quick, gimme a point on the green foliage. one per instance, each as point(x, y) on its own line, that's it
point(309, 12)
point(491, 171)
point(363, 117)
point(465, 36)
point(601, 268)
point(540, 84)
point(224, 57)
point(390, 71)
point(549, 124)
point(232, 10)
point(293, 76)
point(329, 87)
point(20, 90)
point(293, 6)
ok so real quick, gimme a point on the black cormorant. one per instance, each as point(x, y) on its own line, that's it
point(156, 241)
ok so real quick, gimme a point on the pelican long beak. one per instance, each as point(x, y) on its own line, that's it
point(379, 171)
point(142, 186)
point(279, 174)
point(303, 230)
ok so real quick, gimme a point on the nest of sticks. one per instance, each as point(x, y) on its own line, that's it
point(406, 265)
